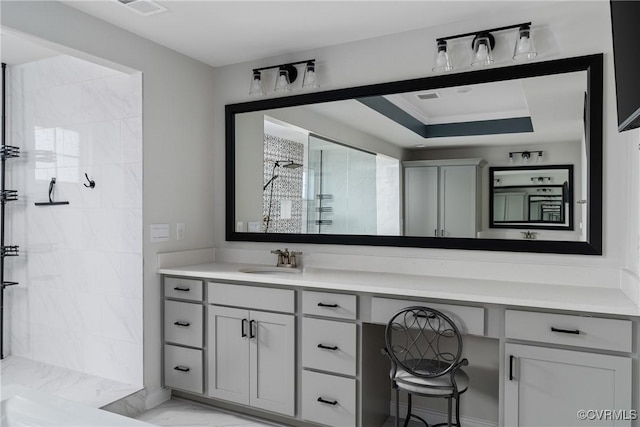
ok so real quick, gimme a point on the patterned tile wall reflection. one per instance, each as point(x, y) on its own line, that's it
point(286, 189)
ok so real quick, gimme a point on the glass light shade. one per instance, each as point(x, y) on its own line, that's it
point(482, 51)
point(256, 84)
point(282, 81)
point(310, 80)
point(441, 63)
point(524, 48)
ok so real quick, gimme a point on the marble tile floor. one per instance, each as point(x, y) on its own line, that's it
point(182, 413)
point(76, 386)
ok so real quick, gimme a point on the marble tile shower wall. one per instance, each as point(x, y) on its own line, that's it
point(79, 302)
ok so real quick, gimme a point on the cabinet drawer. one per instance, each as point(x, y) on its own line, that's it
point(177, 287)
point(327, 304)
point(592, 332)
point(337, 406)
point(183, 323)
point(256, 297)
point(183, 368)
point(470, 320)
point(329, 346)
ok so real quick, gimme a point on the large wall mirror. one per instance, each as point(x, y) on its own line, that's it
point(496, 159)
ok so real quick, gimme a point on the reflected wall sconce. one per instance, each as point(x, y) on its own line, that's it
point(541, 179)
point(483, 44)
point(286, 74)
point(525, 156)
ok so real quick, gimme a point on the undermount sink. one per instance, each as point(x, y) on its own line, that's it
point(270, 270)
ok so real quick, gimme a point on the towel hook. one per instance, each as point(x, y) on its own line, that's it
point(92, 183)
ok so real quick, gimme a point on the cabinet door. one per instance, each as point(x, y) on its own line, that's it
point(272, 365)
point(421, 201)
point(458, 204)
point(549, 386)
point(228, 347)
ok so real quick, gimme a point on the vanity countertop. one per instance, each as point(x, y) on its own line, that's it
point(535, 295)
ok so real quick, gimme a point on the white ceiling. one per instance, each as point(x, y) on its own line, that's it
point(228, 32)
point(555, 104)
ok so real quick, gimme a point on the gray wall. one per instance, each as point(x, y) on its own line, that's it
point(178, 100)
point(562, 29)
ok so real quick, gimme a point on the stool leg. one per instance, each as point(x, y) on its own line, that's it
point(406, 420)
point(449, 410)
point(397, 406)
point(458, 410)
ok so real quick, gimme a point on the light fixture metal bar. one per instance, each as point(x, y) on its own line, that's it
point(492, 30)
point(283, 65)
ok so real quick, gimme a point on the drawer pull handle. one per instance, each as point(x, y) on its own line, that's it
point(511, 368)
point(182, 369)
point(328, 402)
point(179, 323)
point(251, 333)
point(326, 347)
point(242, 331)
point(566, 331)
point(178, 288)
point(321, 304)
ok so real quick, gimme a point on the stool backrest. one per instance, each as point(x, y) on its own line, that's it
point(423, 341)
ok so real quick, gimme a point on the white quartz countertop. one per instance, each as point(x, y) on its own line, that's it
point(535, 295)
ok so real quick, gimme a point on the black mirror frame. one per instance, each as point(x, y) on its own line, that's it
point(593, 64)
point(539, 225)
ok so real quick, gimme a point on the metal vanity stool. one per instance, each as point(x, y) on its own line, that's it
point(425, 349)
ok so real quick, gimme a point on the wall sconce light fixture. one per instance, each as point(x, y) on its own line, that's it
point(524, 156)
point(287, 74)
point(483, 44)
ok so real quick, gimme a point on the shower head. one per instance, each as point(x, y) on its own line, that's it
point(288, 164)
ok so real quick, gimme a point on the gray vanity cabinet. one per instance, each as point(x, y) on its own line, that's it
point(442, 198)
point(251, 357)
point(183, 334)
point(550, 386)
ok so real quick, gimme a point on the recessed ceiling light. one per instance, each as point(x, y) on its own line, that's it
point(143, 7)
point(420, 145)
point(429, 95)
point(464, 90)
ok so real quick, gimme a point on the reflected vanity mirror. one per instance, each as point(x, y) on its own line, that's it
point(533, 197)
point(426, 162)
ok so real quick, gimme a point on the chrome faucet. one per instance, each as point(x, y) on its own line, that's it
point(286, 258)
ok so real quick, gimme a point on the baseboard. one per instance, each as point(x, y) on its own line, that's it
point(435, 417)
point(157, 397)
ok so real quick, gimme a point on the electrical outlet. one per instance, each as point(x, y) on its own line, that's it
point(180, 231)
